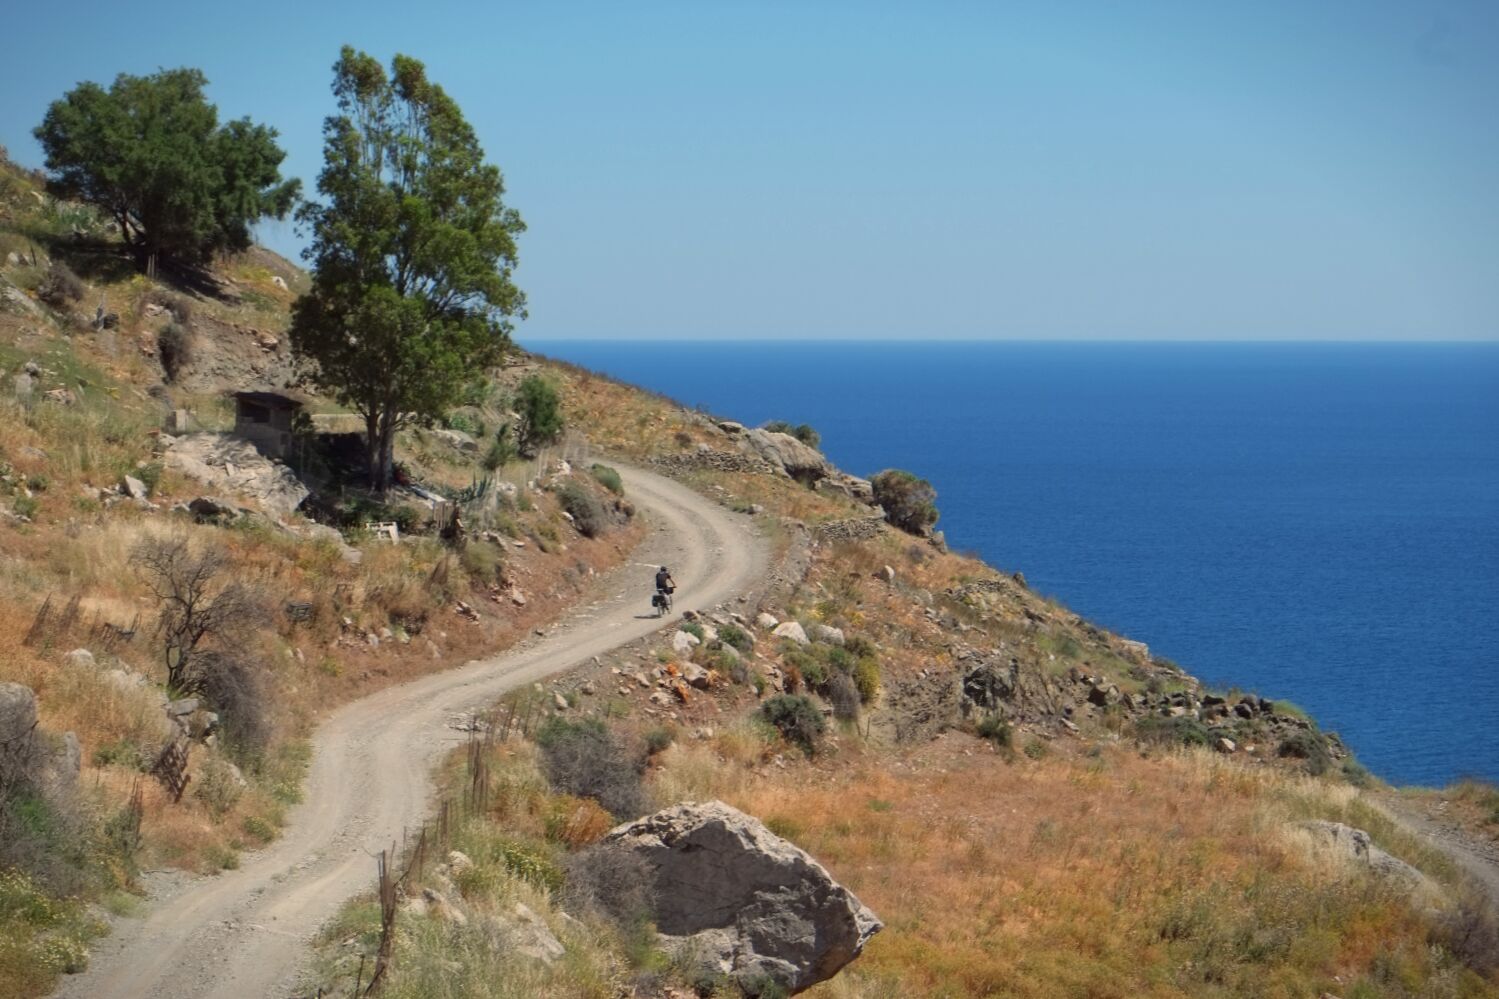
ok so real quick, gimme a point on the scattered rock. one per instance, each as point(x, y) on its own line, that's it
point(278, 281)
point(1225, 744)
point(742, 902)
point(79, 659)
point(684, 641)
point(766, 621)
point(132, 487)
point(440, 909)
point(793, 631)
point(828, 634)
point(559, 702)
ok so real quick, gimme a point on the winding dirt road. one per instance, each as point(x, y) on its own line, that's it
point(244, 934)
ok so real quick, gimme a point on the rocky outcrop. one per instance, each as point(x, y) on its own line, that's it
point(785, 453)
point(1356, 846)
point(232, 464)
point(743, 902)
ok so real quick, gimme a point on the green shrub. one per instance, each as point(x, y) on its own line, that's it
point(1308, 746)
point(909, 502)
point(732, 634)
point(1179, 731)
point(996, 729)
point(797, 718)
point(465, 423)
point(482, 561)
point(659, 739)
point(540, 408)
point(609, 479)
point(587, 512)
point(694, 629)
point(502, 450)
point(25, 506)
point(867, 678)
point(150, 475)
point(801, 432)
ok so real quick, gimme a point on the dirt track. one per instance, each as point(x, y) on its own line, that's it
point(244, 934)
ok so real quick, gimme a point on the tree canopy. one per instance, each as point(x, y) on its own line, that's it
point(149, 151)
point(412, 251)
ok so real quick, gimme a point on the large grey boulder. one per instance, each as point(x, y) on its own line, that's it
point(1356, 845)
point(787, 454)
point(17, 712)
point(741, 902)
point(234, 465)
point(17, 732)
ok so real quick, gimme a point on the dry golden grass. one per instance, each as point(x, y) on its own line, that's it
point(1114, 875)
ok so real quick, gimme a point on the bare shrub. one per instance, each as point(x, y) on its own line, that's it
point(611, 881)
point(587, 512)
point(1470, 930)
point(60, 287)
point(843, 694)
point(236, 687)
point(202, 608)
point(174, 348)
point(585, 759)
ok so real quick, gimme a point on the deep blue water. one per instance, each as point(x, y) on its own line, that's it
point(1318, 522)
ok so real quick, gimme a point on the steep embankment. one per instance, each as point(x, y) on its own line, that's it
point(245, 932)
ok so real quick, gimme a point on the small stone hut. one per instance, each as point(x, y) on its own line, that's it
point(265, 419)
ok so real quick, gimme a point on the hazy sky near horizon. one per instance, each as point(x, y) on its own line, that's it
point(1159, 170)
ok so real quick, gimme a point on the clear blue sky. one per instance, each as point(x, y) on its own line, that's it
point(1158, 170)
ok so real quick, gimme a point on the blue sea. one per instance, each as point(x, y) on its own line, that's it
point(1318, 522)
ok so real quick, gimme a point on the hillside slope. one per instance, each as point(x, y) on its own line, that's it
point(1032, 805)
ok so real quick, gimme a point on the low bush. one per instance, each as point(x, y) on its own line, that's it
point(502, 450)
point(611, 881)
point(174, 348)
point(1180, 731)
point(482, 561)
point(587, 512)
point(60, 287)
point(801, 432)
point(996, 729)
point(732, 634)
point(659, 739)
point(797, 718)
point(1309, 747)
point(609, 479)
point(585, 759)
point(540, 407)
point(843, 694)
point(909, 502)
point(236, 687)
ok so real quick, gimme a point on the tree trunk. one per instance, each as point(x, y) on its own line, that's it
point(380, 442)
